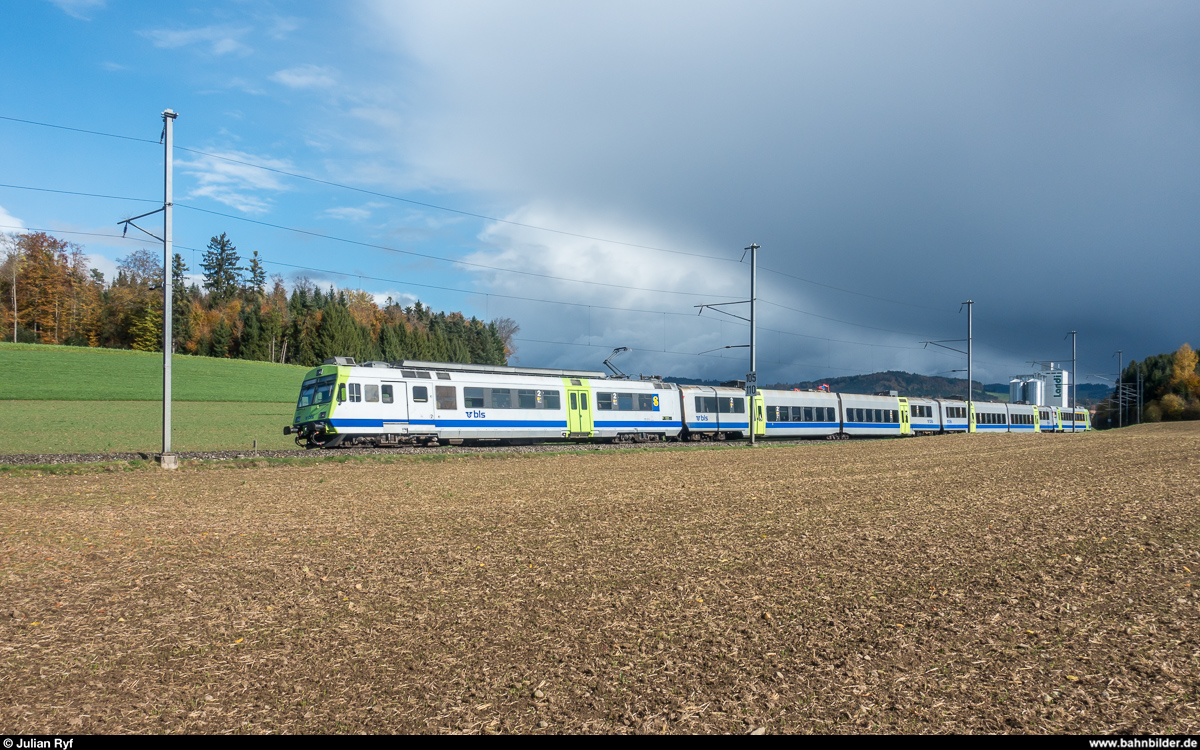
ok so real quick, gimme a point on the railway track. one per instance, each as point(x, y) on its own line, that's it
point(91, 458)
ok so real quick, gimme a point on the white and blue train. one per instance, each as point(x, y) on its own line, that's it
point(379, 403)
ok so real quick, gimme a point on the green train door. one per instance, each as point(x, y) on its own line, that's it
point(905, 420)
point(579, 408)
point(971, 417)
point(760, 422)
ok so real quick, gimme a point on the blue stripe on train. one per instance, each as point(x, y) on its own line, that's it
point(713, 426)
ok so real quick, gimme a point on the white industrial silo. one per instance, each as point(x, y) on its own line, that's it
point(1034, 392)
point(1016, 388)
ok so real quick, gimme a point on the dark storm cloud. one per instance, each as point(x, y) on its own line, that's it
point(1038, 158)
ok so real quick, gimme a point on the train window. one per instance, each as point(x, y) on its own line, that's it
point(372, 393)
point(624, 402)
point(324, 390)
point(646, 401)
point(549, 400)
point(420, 394)
point(606, 401)
point(501, 398)
point(425, 375)
point(574, 403)
point(387, 394)
point(583, 402)
point(355, 393)
point(473, 398)
point(445, 397)
point(706, 404)
point(408, 373)
point(797, 413)
point(443, 376)
point(526, 399)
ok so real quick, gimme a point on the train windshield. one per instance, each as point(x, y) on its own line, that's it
point(317, 391)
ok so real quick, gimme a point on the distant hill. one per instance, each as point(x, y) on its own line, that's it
point(904, 383)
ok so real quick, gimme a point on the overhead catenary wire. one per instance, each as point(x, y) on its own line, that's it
point(386, 280)
point(484, 217)
point(664, 350)
point(468, 263)
point(427, 256)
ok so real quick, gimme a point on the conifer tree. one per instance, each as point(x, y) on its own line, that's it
point(258, 277)
point(222, 274)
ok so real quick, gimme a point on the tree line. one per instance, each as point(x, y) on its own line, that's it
point(51, 296)
point(1170, 390)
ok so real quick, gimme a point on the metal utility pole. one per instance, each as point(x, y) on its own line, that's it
point(167, 460)
point(752, 376)
point(970, 335)
point(1120, 393)
point(1074, 380)
point(970, 374)
point(168, 261)
point(1139, 392)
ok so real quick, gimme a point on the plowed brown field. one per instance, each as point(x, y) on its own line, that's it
point(987, 583)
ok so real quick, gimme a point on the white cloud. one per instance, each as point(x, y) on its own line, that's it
point(404, 299)
point(222, 40)
point(78, 8)
point(636, 279)
point(281, 26)
point(10, 224)
point(306, 77)
point(105, 265)
point(233, 184)
point(348, 213)
point(112, 66)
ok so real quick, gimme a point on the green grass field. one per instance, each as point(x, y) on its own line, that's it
point(38, 372)
point(63, 399)
point(128, 426)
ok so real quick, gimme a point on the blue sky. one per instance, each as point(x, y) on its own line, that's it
point(891, 159)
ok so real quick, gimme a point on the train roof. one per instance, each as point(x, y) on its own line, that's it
point(410, 364)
